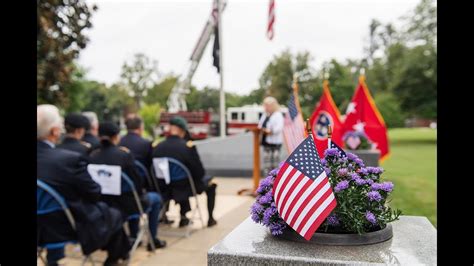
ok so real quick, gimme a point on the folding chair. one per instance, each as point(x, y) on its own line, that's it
point(177, 172)
point(143, 172)
point(127, 186)
point(48, 201)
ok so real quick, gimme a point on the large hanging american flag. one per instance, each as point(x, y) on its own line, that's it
point(293, 129)
point(302, 192)
point(271, 19)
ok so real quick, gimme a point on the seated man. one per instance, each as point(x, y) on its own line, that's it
point(138, 146)
point(111, 154)
point(75, 125)
point(92, 131)
point(98, 225)
point(175, 146)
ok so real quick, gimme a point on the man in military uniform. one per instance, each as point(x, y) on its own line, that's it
point(111, 154)
point(92, 130)
point(175, 146)
point(75, 125)
point(98, 225)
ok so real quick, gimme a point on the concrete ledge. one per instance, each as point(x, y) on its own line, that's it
point(413, 243)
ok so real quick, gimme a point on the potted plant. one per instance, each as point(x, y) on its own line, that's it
point(362, 215)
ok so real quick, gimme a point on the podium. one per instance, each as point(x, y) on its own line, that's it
point(256, 163)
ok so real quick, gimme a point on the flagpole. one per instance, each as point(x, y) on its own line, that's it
point(329, 136)
point(222, 126)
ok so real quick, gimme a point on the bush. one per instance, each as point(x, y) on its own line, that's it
point(150, 114)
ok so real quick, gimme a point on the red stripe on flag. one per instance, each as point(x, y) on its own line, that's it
point(298, 180)
point(313, 209)
point(306, 201)
point(320, 219)
point(283, 185)
point(297, 197)
point(278, 178)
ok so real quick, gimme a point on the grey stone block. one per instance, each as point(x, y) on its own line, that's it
point(413, 243)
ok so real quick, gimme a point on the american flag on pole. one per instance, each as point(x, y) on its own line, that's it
point(271, 19)
point(302, 192)
point(333, 145)
point(293, 129)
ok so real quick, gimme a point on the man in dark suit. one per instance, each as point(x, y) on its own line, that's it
point(98, 225)
point(111, 154)
point(175, 146)
point(92, 131)
point(75, 125)
point(140, 148)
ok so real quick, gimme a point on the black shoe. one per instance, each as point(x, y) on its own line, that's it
point(211, 222)
point(158, 244)
point(111, 262)
point(183, 222)
point(165, 220)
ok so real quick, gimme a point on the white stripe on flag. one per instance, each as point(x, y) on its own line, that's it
point(293, 178)
point(310, 204)
point(295, 192)
point(303, 197)
point(282, 179)
point(320, 209)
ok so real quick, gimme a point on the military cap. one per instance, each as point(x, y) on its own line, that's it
point(108, 129)
point(179, 122)
point(75, 120)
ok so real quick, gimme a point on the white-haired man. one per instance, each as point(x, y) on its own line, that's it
point(98, 226)
point(92, 131)
point(271, 123)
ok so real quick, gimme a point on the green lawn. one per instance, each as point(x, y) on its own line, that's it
point(412, 168)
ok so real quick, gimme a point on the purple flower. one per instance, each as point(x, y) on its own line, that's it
point(359, 162)
point(342, 172)
point(374, 170)
point(323, 161)
point(267, 215)
point(363, 171)
point(277, 228)
point(331, 152)
point(327, 170)
point(369, 181)
point(351, 156)
point(370, 217)
point(355, 176)
point(360, 181)
point(386, 186)
point(256, 209)
point(265, 184)
point(375, 186)
point(341, 185)
point(332, 220)
point(374, 195)
point(265, 199)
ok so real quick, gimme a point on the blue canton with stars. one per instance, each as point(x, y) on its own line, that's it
point(334, 146)
point(292, 107)
point(305, 158)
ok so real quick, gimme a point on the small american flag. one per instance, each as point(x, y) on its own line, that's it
point(333, 145)
point(293, 129)
point(271, 19)
point(302, 192)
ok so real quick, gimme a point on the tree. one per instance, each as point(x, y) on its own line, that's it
point(60, 38)
point(139, 76)
point(160, 92)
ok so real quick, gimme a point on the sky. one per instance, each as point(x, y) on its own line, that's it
point(167, 31)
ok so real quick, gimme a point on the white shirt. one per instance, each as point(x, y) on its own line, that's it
point(275, 125)
point(49, 143)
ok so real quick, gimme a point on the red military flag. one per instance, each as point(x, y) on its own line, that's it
point(362, 115)
point(326, 114)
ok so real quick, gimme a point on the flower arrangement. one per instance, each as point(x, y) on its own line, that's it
point(357, 140)
point(360, 194)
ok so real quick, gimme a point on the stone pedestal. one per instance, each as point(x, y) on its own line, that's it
point(370, 157)
point(413, 243)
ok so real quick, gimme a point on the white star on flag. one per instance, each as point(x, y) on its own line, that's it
point(359, 126)
point(351, 108)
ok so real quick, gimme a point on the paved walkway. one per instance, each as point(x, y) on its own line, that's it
point(230, 210)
